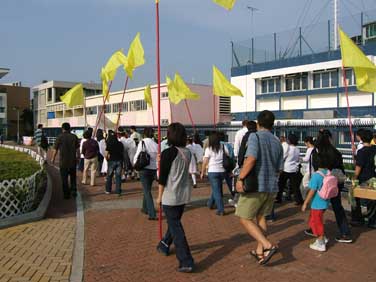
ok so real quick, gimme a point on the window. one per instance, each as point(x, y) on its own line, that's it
point(108, 109)
point(138, 105)
point(325, 79)
point(334, 78)
point(371, 30)
point(2, 109)
point(125, 106)
point(1, 101)
point(270, 85)
point(116, 107)
point(164, 95)
point(349, 77)
point(90, 92)
point(92, 110)
point(49, 94)
point(296, 81)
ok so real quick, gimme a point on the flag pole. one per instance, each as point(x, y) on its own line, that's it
point(85, 115)
point(103, 108)
point(190, 115)
point(159, 107)
point(152, 113)
point(348, 112)
point(122, 101)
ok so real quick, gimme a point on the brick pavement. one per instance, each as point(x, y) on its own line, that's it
point(40, 251)
point(120, 246)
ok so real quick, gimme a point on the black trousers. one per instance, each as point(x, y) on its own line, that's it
point(71, 173)
point(175, 234)
point(295, 179)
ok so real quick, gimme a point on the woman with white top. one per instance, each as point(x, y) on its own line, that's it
point(213, 158)
point(148, 173)
point(291, 171)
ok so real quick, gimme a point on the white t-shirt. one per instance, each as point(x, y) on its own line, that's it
point(151, 148)
point(215, 160)
point(238, 139)
point(292, 160)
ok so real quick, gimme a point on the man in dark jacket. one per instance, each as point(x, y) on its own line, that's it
point(67, 144)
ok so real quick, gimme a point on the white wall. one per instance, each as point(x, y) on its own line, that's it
point(322, 101)
point(246, 103)
point(292, 103)
point(270, 104)
point(357, 99)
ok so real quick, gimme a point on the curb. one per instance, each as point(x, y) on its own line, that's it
point(36, 215)
point(79, 243)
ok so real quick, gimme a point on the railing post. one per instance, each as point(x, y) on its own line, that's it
point(329, 35)
point(275, 46)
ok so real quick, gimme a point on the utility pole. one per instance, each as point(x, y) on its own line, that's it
point(252, 10)
point(336, 9)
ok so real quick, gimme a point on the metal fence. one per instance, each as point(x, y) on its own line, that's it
point(300, 41)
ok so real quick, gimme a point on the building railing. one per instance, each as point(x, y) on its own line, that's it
point(20, 196)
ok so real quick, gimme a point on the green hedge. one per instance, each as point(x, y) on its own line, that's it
point(14, 164)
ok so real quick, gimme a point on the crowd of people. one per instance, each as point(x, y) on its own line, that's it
point(260, 171)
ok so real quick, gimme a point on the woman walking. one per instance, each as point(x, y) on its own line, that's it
point(148, 173)
point(213, 159)
point(174, 193)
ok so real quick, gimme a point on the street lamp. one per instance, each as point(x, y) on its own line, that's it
point(18, 123)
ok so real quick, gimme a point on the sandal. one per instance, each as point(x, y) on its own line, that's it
point(258, 257)
point(272, 251)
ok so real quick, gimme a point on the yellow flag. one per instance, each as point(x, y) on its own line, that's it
point(183, 89)
point(156, 1)
point(222, 87)
point(173, 95)
point(135, 57)
point(105, 80)
point(116, 60)
point(365, 70)
point(227, 4)
point(74, 97)
point(147, 95)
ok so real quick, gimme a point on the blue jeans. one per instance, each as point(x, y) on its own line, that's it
point(175, 234)
point(147, 177)
point(114, 167)
point(216, 179)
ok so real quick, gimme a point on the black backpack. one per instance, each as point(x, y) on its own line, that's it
point(243, 148)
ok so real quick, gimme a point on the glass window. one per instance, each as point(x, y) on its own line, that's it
point(164, 94)
point(264, 86)
point(304, 81)
point(333, 78)
point(349, 76)
point(271, 85)
point(125, 107)
point(92, 110)
point(49, 94)
point(108, 109)
point(278, 85)
point(325, 79)
point(316, 80)
point(297, 83)
point(115, 108)
point(288, 84)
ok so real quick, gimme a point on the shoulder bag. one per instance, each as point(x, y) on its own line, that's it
point(143, 158)
point(251, 180)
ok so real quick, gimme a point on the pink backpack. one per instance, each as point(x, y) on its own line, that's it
point(329, 187)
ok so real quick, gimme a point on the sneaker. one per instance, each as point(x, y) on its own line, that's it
point(344, 239)
point(309, 232)
point(185, 269)
point(163, 248)
point(318, 246)
point(231, 202)
point(326, 240)
point(107, 193)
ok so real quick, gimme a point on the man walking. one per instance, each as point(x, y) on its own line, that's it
point(67, 144)
point(41, 140)
point(90, 150)
point(264, 155)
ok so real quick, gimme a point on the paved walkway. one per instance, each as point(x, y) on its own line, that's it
point(120, 245)
point(41, 251)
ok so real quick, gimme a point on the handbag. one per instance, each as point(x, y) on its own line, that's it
point(228, 162)
point(143, 158)
point(251, 180)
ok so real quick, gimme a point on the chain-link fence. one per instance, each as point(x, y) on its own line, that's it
point(307, 40)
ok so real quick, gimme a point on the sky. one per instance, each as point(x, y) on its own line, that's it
point(71, 40)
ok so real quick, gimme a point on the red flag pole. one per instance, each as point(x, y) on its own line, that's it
point(159, 109)
point(122, 101)
point(189, 114)
point(103, 108)
point(348, 112)
point(152, 113)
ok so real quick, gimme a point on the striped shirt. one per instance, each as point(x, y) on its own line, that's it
point(38, 136)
